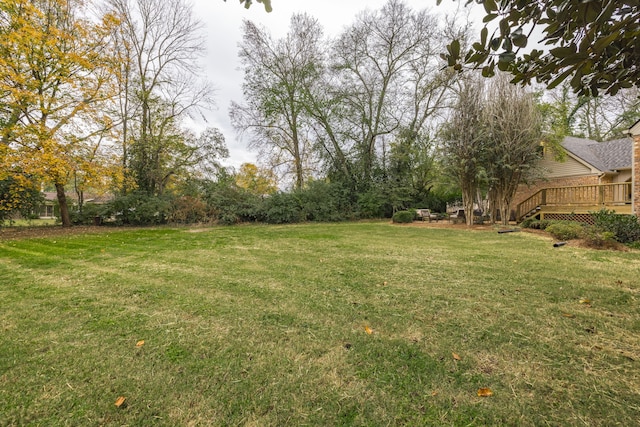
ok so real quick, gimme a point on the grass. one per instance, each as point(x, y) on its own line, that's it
point(268, 325)
point(38, 222)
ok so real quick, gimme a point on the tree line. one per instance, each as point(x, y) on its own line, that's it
point(381, 110)
point(96, 97)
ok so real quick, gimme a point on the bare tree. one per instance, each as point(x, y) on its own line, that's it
point(384, 81)
point(513, 132)
point(277, 73)
point(599, 118)
point(159, 44)
point(376, 59)
point(463, 138)
point(604, 118)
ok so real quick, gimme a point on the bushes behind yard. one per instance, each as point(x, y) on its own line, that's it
point(608, 227)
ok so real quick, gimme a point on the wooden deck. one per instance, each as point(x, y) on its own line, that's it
point(577, 200)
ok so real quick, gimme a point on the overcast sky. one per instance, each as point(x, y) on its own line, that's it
point(223, 21)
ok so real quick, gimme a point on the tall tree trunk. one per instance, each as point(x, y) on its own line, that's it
point(64, 209)
point(467, 203)
point(297, 155)
point(493, 204)
point(505, 213)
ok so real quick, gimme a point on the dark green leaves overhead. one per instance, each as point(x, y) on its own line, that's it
point(595, 44)
point(248, 3)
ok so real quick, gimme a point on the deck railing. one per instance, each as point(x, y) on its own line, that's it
point(579, 196)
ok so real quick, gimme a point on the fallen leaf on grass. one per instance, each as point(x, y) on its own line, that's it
point(568, 315)
point(120, 401)
point(585, 301)
point(485, 392)
point(140, 343)
point(368, 330)
point(456, 356)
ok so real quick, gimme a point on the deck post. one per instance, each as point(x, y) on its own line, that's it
point(601, 195)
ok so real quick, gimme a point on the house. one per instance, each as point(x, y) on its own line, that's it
point(49, 208)
point(593, 176)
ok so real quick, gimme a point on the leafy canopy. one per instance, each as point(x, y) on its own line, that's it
point(595, 43)
point(266, 3)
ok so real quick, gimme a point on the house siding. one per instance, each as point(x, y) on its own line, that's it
point(625, 176)
point(636, 173)
point(570, 167)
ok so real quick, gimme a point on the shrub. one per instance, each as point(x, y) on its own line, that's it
point(403, 217)
point(19, 197)
point(188, 210)
point(625, 228)
point(565, 230)
point(227, 203)
point(596, 238)
point(536, 224)
point(139, 209)
point(372, 204)
point(88, 215)
point(323, 201)
point(281, 208)
point(634, 245)
point(543, 224)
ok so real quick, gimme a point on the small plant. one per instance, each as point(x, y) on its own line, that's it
point(545, 223)
point(634, 245)
point(536, 224)
point(565, 230)
point(403, 217)
point(597, 238)
point(530, 223)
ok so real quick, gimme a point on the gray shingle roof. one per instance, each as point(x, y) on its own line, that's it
point(615, 154)
point(605, 156)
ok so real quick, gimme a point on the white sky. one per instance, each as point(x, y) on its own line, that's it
point(223, 21)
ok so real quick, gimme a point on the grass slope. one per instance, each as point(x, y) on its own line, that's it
point(266, 325)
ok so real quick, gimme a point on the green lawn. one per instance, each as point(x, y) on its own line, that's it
point(325, 324)
point(30, 222)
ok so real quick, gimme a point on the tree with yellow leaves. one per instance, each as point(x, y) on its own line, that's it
point(258, 181)
point(55, 70)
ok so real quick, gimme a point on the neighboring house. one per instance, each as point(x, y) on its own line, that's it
point(594, 175)
point(49, 209)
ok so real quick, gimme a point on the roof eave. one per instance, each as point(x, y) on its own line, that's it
point(585, 163)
